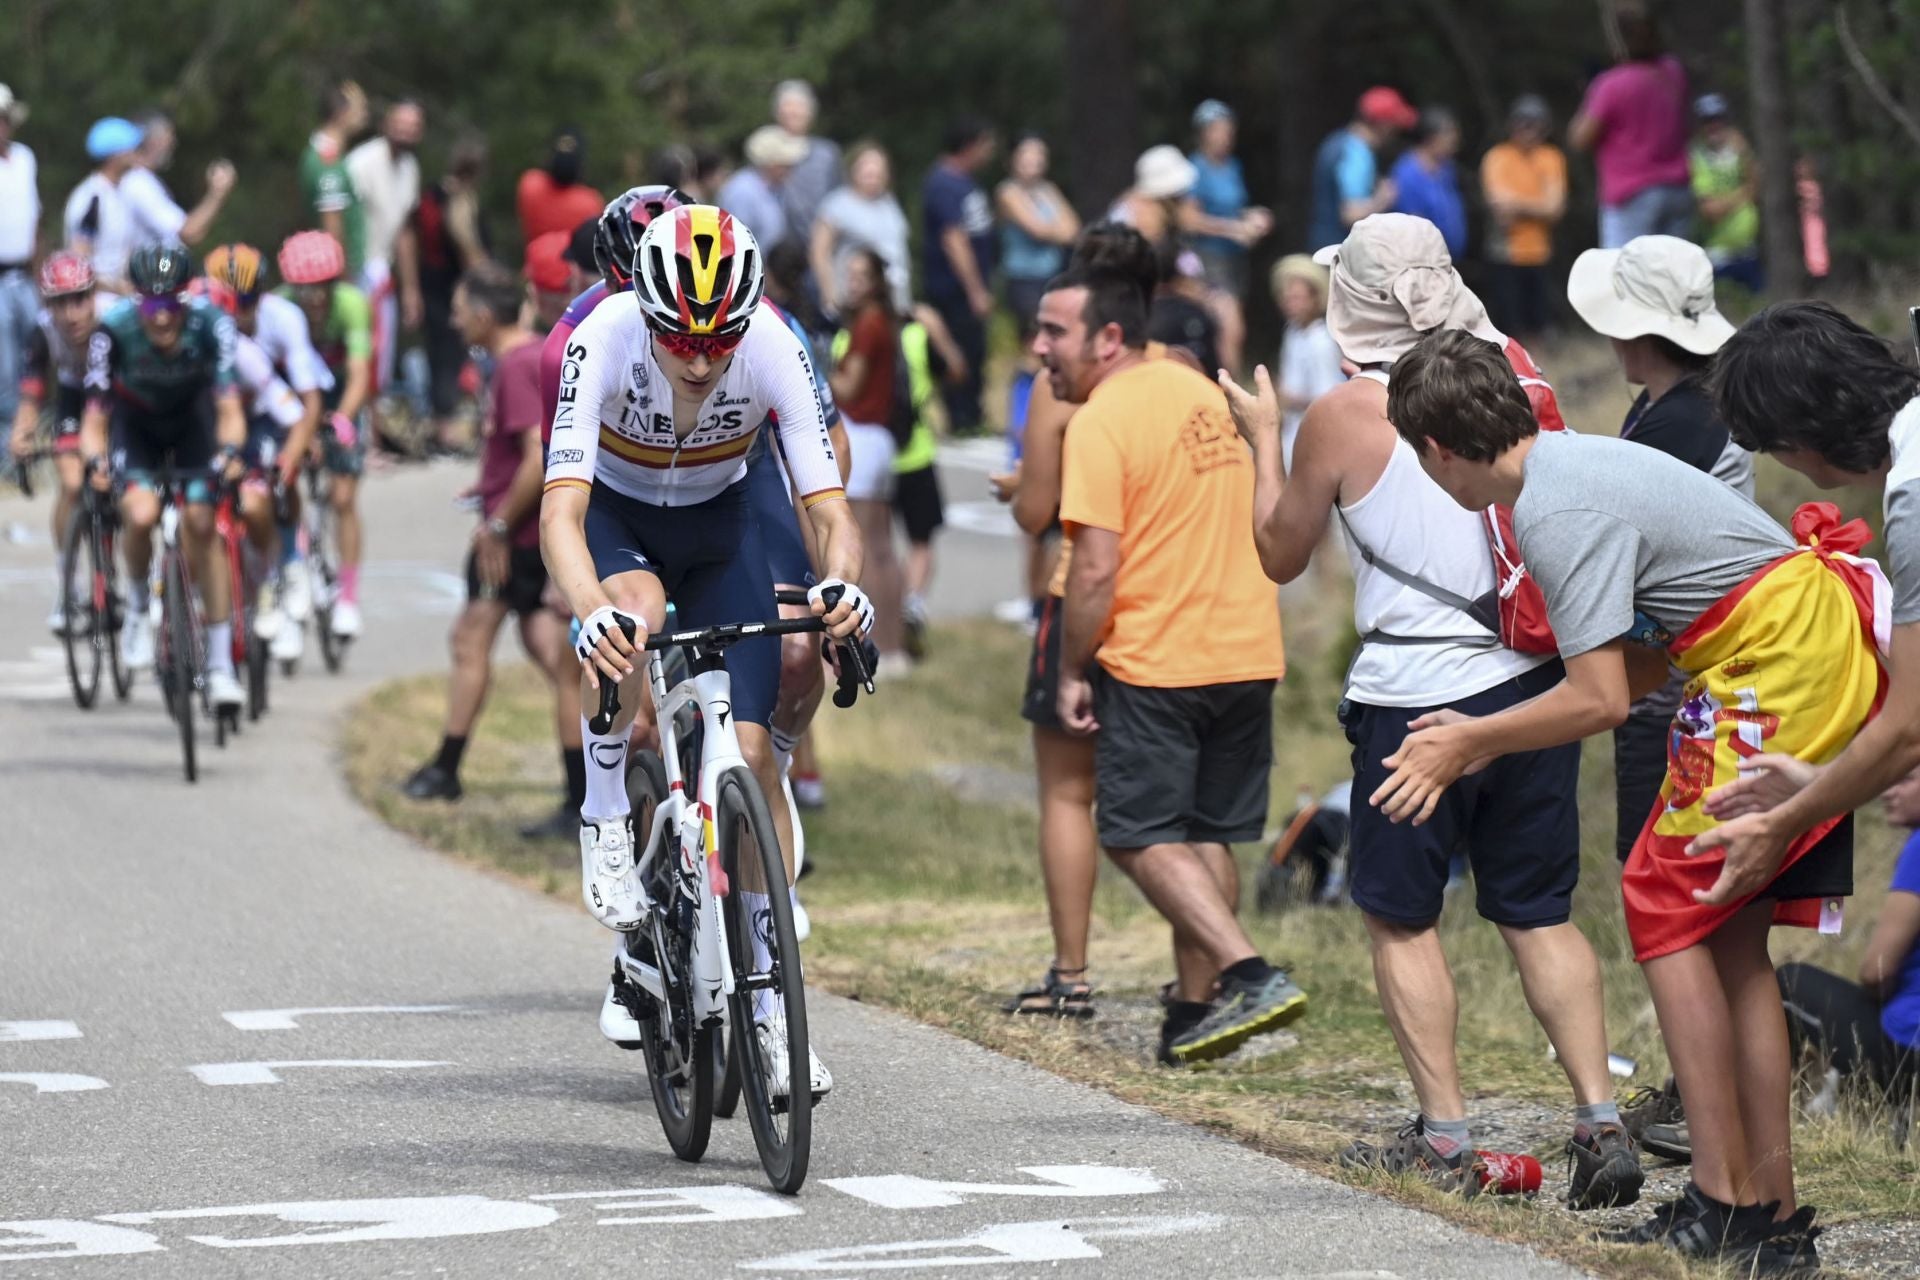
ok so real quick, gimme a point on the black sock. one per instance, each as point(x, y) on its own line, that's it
point(1183, 1015)
point(451, 749)
point(574, 761)
point(1251, 970)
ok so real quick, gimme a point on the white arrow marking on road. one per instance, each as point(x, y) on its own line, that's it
point(410, 1218)
point(264, 1072)
point(903, 1191)
point(86, 1240)
point(288, 1019)
point(53, 1081)
point(995, 1246)
point(725, 1203)
point(47, 1029)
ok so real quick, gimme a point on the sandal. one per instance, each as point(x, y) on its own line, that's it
point(1055, 997)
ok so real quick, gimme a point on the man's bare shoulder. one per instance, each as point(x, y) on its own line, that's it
point(1354, 404)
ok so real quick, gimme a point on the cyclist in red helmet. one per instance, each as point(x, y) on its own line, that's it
point(54, 377)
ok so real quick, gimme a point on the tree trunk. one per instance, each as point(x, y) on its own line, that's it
point(1767, 82)
point(1103, 101)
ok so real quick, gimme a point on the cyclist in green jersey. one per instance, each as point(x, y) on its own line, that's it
point(160, 383)
point(341, 322)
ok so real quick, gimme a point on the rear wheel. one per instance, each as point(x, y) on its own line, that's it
point(679, 1054)
point(79, 592)
point(750, 855)
point(181, 663)
point(109, 594)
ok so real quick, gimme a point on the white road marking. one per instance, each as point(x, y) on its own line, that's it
point(725, 1203)
point(986, 517)
point(1064, 1181)
point(1052, 1241)
point(409, 1218)
point(288, 1019)
point(53, 1081)
point(987, 455)
point(219, 1073)
point(83, 1240)
point(42, 1029)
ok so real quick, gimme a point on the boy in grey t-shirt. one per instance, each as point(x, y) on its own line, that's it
point(1632, 550)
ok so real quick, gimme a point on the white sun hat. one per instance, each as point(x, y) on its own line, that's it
point(1653, 286)
point(1161, 173)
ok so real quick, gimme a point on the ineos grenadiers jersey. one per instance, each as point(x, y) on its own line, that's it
point(613, 424)
point(125, 368)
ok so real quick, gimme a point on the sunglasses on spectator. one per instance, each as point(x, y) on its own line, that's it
point(153, 306)
point(690, 346)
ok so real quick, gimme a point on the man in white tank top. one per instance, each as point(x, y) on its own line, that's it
point(1517, 821)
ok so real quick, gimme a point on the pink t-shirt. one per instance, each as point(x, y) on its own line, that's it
point(1641, 108)
point(513, 409)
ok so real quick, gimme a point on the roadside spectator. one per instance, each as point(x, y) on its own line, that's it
point(929, 356)
point(1654, 301)
point(1161, 206)
point(19, 246)
point(817, 172)
point(157, 218)
point(1869, 1030)
point(1347, 185)
point(1179, 314)
point(672, 166)
point(452, 237)
point(325, 184)
point(99, 225)
point(1158, 203)
point(1037, 224)
point(753, 193)
point(866, 360)
point(1726, 184)
point(1225, 224)
point(1309, 360)
point(553, 276)
point(386, 174)
point(957, 258)
point(1425, 181)
point(1634, 121)
point(557, 197)
point(1813, 218)
point(1174, 666)
point(711, 169)
point(862, 215)
point(1524, 182)
point(504, 570)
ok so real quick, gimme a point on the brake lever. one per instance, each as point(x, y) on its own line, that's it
point(610, 689)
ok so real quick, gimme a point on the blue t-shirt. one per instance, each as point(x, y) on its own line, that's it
point(952, 199)
point(1343, 169)
point(1435, 196)
point(1221, 190)
point(1900, 1016)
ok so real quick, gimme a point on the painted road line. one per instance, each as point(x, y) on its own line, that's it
point(1064, 1181)
point(408, 1218)
point(37, 1029)
point(224, 1073)
point(53, 1081)
point(724, 1203)
point(289, 1019)
point(1050, 1241)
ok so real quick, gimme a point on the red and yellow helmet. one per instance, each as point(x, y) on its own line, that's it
point(241, 267)
point(698, 273)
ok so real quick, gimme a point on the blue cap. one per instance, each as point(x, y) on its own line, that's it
point(112, 136)
point(1711, 106)
point(1209, 111)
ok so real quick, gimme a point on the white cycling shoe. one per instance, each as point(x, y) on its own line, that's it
point(268, 620)
point(296, 590)
point(771, 1032)
point(136, 640)
point(609, 881)
point(57, 620)
point(616, 1024)
point(288, 643)
point(224, 691)
point(346, 619)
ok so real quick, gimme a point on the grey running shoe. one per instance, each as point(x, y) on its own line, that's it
point(1464, 1172)
point(1656, 1119)
point(1243, 1010)
point(1603, 1169)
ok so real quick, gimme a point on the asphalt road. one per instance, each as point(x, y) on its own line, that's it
point(245, 1029)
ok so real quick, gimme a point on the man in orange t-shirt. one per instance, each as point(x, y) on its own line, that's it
point(1170, 647)
point(1525, 183)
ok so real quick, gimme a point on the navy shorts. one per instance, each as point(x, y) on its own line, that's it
point(1517, 822)
point(142, 445)
point(786, 547)
point(266, 440)
point(710, 559)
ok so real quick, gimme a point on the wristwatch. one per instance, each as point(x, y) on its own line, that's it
point(498, 527)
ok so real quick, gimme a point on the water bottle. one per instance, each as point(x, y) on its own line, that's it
point(1510, 1173)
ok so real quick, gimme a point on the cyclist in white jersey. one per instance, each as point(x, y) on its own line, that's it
point(662, 391)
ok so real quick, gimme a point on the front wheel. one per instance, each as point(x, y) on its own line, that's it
point(182, 660)
point(81, 583)
point(750, 855)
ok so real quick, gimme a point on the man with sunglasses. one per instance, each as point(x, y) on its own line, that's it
point(662, 393)
point(160, 382)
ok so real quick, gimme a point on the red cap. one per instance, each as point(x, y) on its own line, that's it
point(547, 264)
point(1384, 105)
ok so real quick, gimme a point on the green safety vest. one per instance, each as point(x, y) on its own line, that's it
point(922, 446)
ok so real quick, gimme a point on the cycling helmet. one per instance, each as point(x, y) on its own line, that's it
point(218, 292)
point(698, 273)
point(616, 236)
point(312, 257)
point(160, 269)
point(64, 273)
point(241, 267)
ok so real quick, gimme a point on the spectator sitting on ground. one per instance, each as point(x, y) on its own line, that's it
point(1309, 360)
point(99, 225)
point(1524, 182)
point(754, 193)
point(861, 215)
point(1347, 185)
point(157, 218)
point(557, 197)
point(1224, 224)
point(1634, 121)
point(1425, 182)
point(1726, 182)
point(817, 172)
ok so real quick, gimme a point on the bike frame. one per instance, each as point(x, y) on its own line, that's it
point(172, 544)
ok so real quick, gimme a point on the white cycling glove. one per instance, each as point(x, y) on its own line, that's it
point(601, 623)
point(852, 596)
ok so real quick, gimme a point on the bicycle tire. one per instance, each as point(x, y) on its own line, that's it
point(258, 664)
point(179, 619)
point(79, 545)
point(103, 552)
point(742, 810)
point(330, 651)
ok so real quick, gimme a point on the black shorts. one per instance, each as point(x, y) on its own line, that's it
point(69, 406)
point(142, 444)
point(1824, 871)
point(1174, 766)
point(525, 585)
point(916, 499)
point(1517, 822)
point(1040, 706)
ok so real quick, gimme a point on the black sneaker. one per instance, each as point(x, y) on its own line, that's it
point(1698, 1226)
point(562, 824)
point(1180, 1017)
point(1462, 1173)
point(1656, 1119)
point(1243, 1010)
point(431, 782)
point(1791, 1249)
point(1603, 1169)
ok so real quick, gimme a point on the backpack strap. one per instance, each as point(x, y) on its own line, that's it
point(1479, 611)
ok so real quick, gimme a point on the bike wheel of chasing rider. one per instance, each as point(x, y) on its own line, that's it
point(750, 857)
point(85, 623)
point(180, 658)
point(258, 663)
point(103, 554)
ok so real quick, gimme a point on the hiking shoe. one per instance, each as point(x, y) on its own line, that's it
point(1603, 1168)
point(1698, 1226)
point(1244, 1010)
point(1464, 1172)
point(1791, 1248)
point(1657, 1121)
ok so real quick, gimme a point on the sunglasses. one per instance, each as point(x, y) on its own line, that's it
point(689, 346)
point(153, 306)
